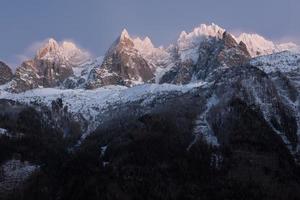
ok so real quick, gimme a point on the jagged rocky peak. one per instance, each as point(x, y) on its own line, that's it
point(6, 73)
point(203, 30)
point(229, 40)
point(48, 48)
point(65, 51)
point(235, 53)
point(157, 57)
point(135, 61)
point(188, 43)
point(124, 42)
point(257, 45)
point(124, 34)
point(231, 43)
point(211, 54)
point(123, 64)
point(52, 65)
point(145, 46)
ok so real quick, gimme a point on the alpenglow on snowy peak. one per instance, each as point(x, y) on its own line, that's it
point(257, 45)
point(134, 60)
point(52, 64)
point(188, 43)
point(124, 34)
point(123, 64)
point(144, 46)
point(64, 51)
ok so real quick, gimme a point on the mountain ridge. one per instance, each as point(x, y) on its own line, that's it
point(66, 56)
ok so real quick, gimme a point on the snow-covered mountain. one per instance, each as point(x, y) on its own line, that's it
point(53, 63)
point(131, 61)
point(124, 63)
point(197, 58)
point(188, 43)
point(258, 45)
point(65, 51)
point(212, 54)
point(211, 103)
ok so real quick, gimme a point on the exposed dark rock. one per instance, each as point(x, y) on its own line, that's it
point(5, 73)
point(39, 73)
point(180, 73)
point(26, 77)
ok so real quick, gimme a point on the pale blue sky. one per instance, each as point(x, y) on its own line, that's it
point(94, 24)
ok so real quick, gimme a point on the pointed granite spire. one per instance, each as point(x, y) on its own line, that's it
point(124, 34)
point(49, 46)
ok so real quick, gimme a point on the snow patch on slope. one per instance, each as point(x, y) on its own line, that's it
point(202, 127)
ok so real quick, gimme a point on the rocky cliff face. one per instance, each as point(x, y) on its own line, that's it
point(5, 73)
point(26, 78)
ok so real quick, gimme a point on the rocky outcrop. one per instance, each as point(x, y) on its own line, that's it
point(5, 73)
point(52, 73)
point(39, 73)
point(26, 78)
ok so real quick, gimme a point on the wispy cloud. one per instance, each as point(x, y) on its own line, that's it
point(287, 39)
point(28, 53)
